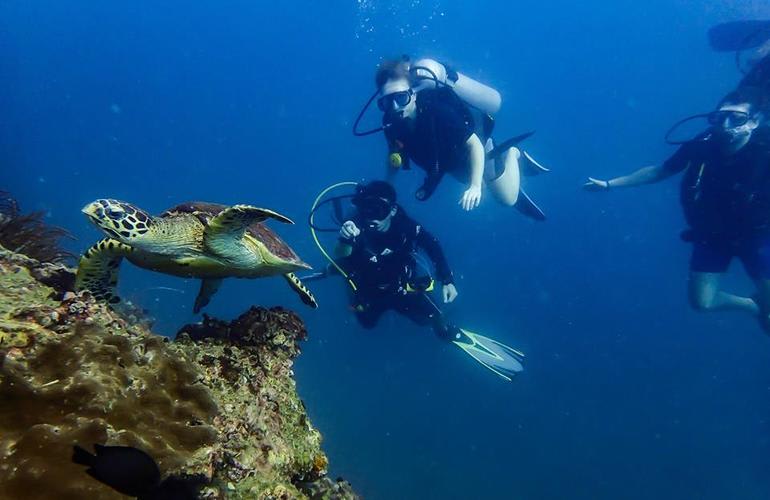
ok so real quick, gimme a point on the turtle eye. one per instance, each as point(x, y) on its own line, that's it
point(114, 213)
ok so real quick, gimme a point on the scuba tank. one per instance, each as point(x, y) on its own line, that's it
point(429, 73)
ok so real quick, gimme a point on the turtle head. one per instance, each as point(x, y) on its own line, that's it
point(120, 220)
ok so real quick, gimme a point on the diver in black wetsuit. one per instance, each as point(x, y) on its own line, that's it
point(377, 248)
point(376, 255)
point(750, 40)
point(436, 129)
point(725, 194)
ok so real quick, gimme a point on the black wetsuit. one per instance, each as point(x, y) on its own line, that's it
point(435, 138)
point(726, 202)
point(382, 266)
point(758, 76)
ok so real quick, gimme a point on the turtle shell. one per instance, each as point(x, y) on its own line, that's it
point(205, 211)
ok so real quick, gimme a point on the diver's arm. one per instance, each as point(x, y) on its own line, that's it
point(430, 244)
point(651, 174)
point(472, 195)
point(645, 175)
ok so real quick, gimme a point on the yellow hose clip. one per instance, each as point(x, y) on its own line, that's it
point(395, 160)
point(429, 288)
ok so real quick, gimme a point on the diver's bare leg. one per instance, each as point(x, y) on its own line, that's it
point(763, 303)
point(705, 295)
point(504, 183)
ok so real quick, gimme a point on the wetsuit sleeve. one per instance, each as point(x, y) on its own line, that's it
point(758, 76)
point(430, 244)
point(680, 159)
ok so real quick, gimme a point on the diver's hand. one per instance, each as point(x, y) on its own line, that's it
point(596, 185)
point(471, 198)
point(349, 230)
point(449, 292)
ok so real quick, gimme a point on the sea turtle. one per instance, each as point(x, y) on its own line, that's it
point(193, 240)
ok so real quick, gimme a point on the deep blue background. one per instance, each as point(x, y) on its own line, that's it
point(627, 393)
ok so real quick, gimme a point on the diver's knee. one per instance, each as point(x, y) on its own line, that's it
point(702, 302)
point(506, 183)
point(702, 291)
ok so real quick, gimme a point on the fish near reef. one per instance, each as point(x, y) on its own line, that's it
point(132, 472)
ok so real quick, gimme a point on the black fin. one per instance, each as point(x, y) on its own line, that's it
point(529, 166)
point(738, 35)
point(432, 181)
point(488, 125)
point(81, 456)
point(526, 206)
point(508, 144)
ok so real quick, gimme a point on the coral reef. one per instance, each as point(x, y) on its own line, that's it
point(219, 402)
point(28, 234)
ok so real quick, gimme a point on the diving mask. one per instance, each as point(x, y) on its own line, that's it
point(397, 100)
point(728, 119)
point(373, 207)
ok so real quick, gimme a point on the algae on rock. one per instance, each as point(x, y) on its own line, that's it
point(224, 405)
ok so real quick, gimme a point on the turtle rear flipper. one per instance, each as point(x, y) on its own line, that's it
point(229, 226)
point(98, 269)
point(304, 294)
point(209, 287)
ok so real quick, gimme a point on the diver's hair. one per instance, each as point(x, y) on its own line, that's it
point(390, 69)
point(756, 97)
point(379, 189)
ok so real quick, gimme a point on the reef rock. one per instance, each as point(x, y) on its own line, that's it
point(219, 402)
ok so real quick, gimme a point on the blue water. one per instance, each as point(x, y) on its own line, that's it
point(627, 393)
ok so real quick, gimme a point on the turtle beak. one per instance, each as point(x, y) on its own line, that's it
point(94, 211)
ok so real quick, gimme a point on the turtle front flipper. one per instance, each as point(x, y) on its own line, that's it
point(227, 228)
point(98, 269)
point(232, 222)
point(304, 294)
point(209, 287)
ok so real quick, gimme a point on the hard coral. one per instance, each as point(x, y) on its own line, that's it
point(267, 444)
point(73, 371)
point(82, 383)
point(277, 327)
point(28, 234)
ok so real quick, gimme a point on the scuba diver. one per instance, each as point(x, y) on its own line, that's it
point(428, 118)
point(725, 195)
point(750, 40)
point(376, 252)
